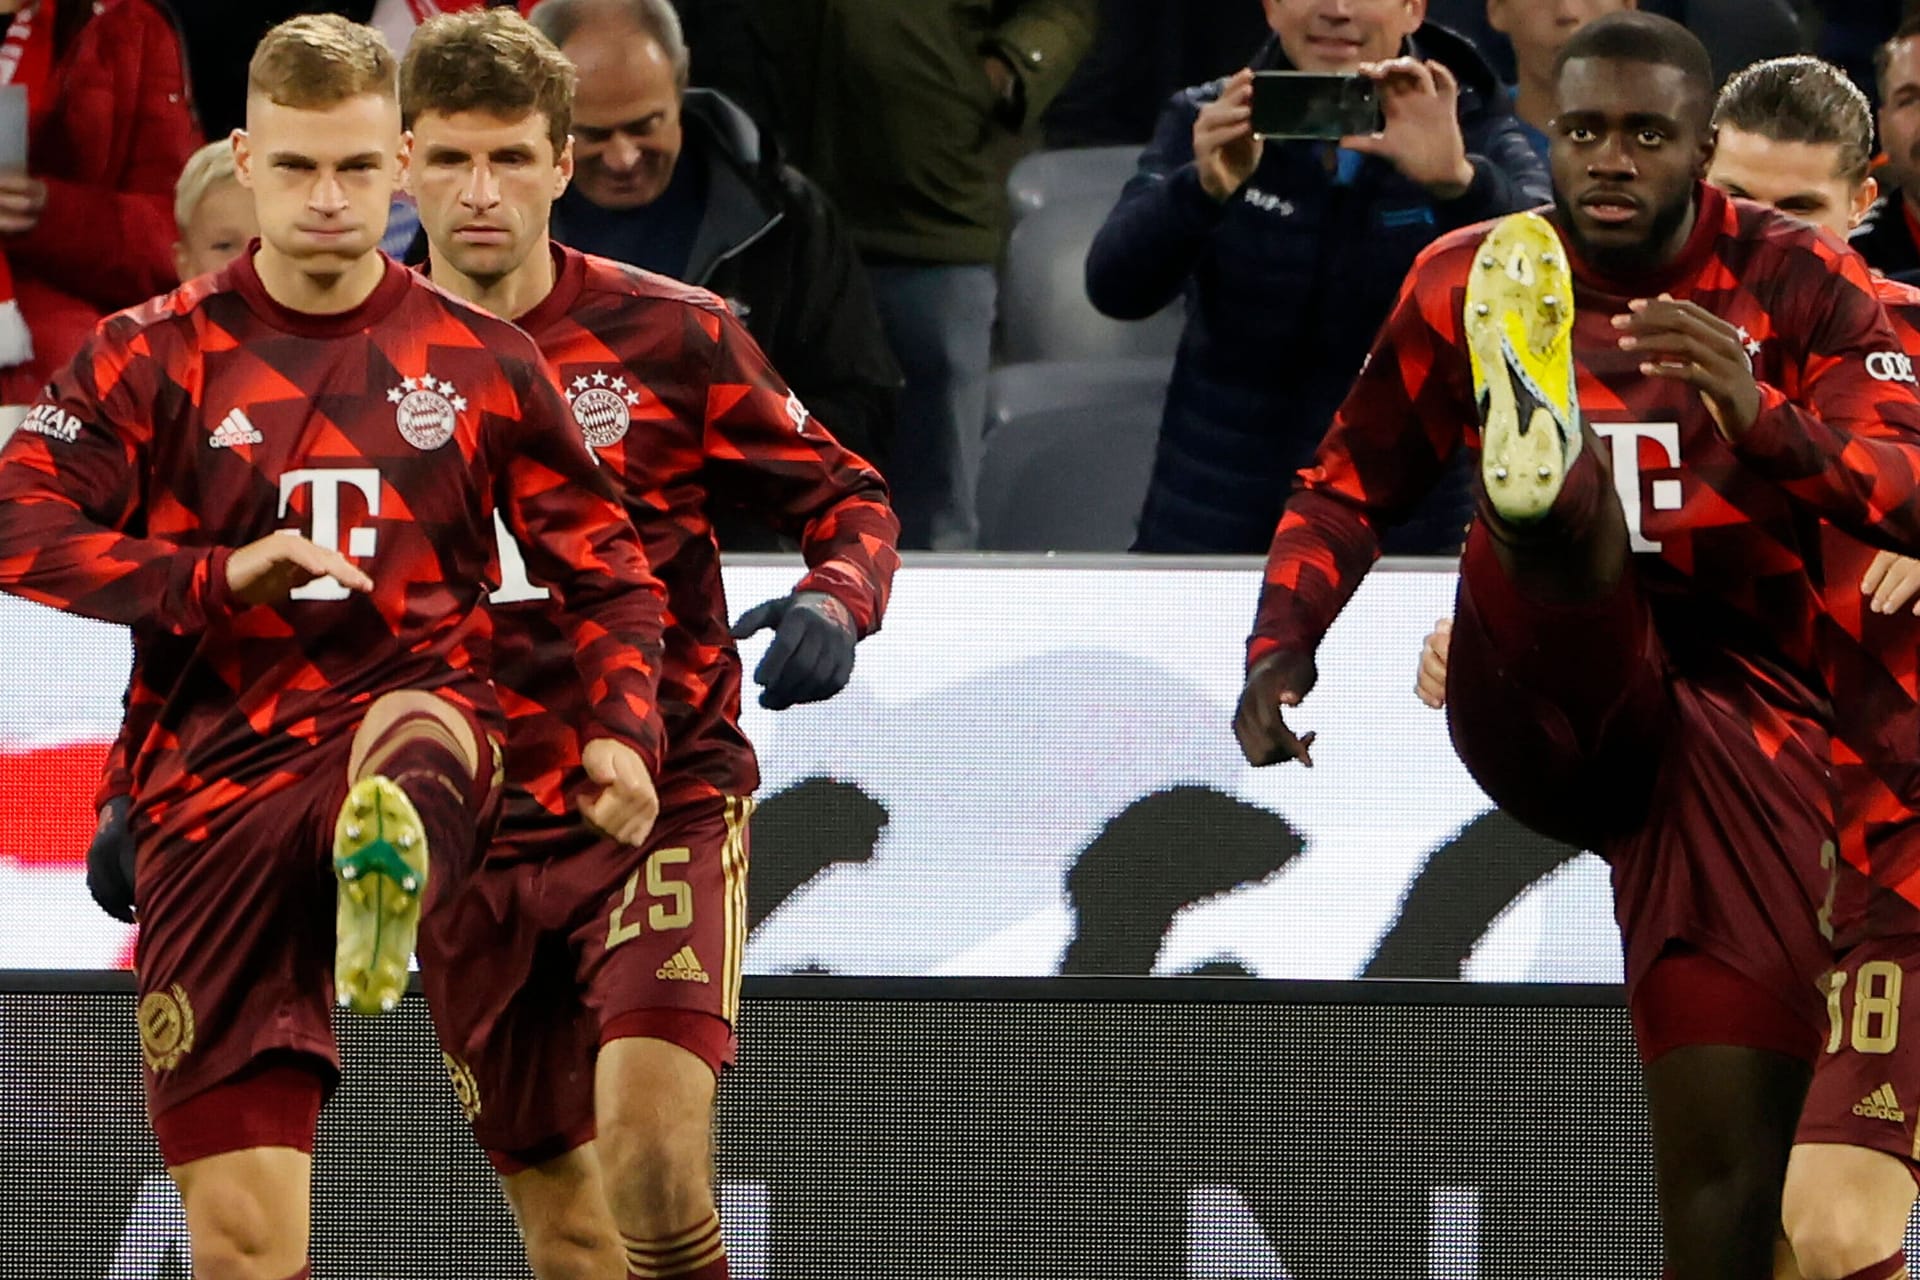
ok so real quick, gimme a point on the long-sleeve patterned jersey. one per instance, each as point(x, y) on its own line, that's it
point(687, 416)
point(212, 417)
point(1871, 662)
point(1727, 535)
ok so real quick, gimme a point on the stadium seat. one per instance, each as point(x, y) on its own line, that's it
point(1047, 386)
point(1068, 455)
point(1078, 173)
point(1044, 311)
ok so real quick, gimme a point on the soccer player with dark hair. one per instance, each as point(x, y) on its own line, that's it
point(1795, 133)
point(1636, 664)
point(586, 1039)
point(286, 475)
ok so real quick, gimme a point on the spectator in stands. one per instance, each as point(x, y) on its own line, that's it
point(680, 181)
point(1537, 29)
point(213, 212)
point(1290, 255)
point(88, 228)
point(1889, 238)
point(910, 113)
point(1143, 51)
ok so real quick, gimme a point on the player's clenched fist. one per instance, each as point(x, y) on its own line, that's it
point(1277, 680)
point(1431, 684)
point(625, 806)
point(271, 569)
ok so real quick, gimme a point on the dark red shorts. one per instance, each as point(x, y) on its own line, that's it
point(564, 941)
point(1866, 1082)
point(1706, 793)
point(234, 957)
point(1688, 998)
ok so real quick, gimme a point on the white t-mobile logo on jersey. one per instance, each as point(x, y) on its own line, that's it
point(361, 540)
point(515, 586)
point(1623, 440)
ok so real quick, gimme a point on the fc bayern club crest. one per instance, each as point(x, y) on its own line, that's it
point(426, 411)
point(603, 405)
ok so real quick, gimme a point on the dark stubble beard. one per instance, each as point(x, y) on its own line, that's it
point(1628, 260)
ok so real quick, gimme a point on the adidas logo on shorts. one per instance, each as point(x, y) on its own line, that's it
point(1881, 1104)
point(682, 966)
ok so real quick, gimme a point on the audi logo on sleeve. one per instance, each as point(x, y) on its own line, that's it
point(1890, 366)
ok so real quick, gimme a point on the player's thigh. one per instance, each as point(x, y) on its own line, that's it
point(1723, 1115)
point(561, 1207)
point(247, 1212)
point(1846, 1207)
point(654, 1098)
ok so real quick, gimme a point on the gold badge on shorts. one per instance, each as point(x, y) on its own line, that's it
point(166, 1027)
point(466, 1090)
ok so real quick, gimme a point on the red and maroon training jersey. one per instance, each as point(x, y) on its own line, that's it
point(1727, 535)
point(688, 417)
point(211, 417)
point(1871, 663)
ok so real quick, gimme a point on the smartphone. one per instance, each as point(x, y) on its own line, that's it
point(13, 128)
point(1309, 104)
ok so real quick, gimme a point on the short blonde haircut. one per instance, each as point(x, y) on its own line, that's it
point(320, 60)
point(206, 169)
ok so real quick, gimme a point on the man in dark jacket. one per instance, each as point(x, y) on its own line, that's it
point(1890, 236)
point(680, 181)
point(1290, 255)
point(911, 113)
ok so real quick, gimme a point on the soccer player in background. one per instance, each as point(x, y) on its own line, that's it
point(1795, 133)
point(287, 474)
point(1639, 670)
point(585, 1040)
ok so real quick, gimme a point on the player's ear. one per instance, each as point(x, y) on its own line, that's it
point(1709, 143)
point(242, 157)
point(1863, 197)
point(563, 168)
point(405, 159)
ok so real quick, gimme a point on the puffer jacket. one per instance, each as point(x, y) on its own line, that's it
point(1286, 285)
point(110, 150)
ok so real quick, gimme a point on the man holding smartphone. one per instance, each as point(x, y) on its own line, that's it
point(1290, 251)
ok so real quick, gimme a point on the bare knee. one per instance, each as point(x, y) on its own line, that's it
point(655, 1119)
point(444, 720)
point(578, 1245)
point(562, 1210)
point(1845, 1209)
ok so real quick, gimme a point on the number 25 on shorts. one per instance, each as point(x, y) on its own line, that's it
point(1875, 1024)
point(660, 917)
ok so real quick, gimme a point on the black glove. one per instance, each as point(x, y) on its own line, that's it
point(811, 656)
point(110, 861)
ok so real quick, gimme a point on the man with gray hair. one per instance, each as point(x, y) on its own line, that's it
point(680, 181)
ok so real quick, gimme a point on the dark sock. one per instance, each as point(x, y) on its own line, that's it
point(1894, 1268)
point(694, 1254)
point(418, 754)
